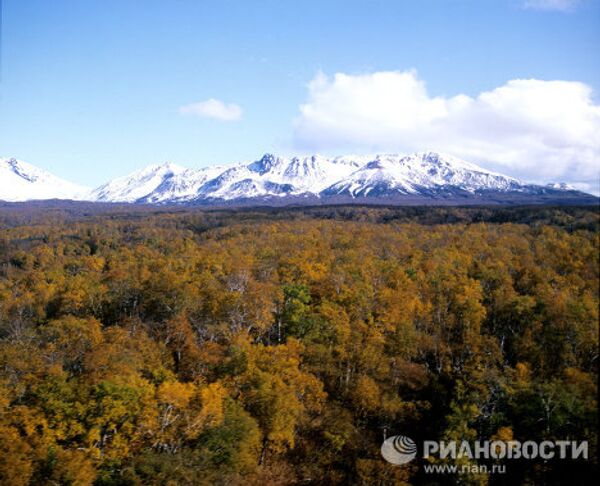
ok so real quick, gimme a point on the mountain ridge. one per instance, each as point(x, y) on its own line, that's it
point(423, 176)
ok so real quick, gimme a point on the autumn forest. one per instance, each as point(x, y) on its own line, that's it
point(281, 346)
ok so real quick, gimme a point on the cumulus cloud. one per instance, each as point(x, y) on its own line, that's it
point(556, 5)
point(536, 130)
point(213, 108)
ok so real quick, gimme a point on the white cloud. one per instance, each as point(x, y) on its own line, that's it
point(557, 5)
point(213, 108)
point(536, 130)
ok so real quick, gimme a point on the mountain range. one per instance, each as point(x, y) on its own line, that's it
point(420, 178)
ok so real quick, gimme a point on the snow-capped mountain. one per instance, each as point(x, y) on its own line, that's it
point(20, 181)
point(136, 186)
point(425, 173)
point(279, 176)
point(421, 177)
point(273, 178)
point(269, 176)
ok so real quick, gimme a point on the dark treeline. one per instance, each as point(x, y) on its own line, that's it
point(167, 346)
point(568, 217)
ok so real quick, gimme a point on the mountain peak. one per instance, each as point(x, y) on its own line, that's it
point(137, 185)
point(264, 164)
point(164, 167)
point(20, 181)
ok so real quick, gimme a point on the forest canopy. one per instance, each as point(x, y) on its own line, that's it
point(263, 346)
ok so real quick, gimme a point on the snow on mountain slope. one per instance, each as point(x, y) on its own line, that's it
point(306, 174)
point(20, 181)
point(137, 185)
point(423, 173)
point(182, 186)
point(268, 176)
point(278, 176)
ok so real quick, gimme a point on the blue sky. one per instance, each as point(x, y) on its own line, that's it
point(92, 89)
